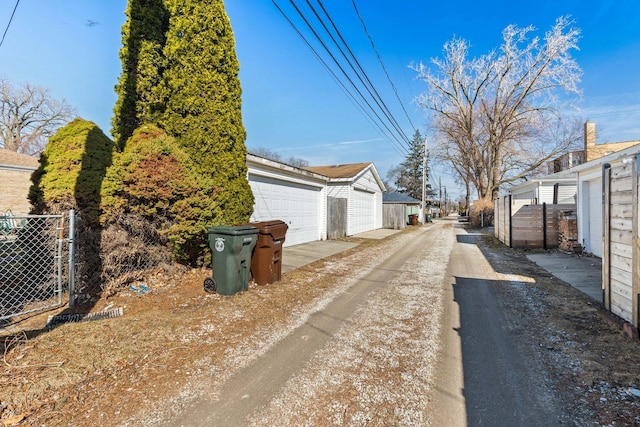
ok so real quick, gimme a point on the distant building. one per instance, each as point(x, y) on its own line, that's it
point(590, 152)
point(15, 180)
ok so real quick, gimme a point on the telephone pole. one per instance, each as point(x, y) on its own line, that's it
point(424, 183)
point(440, 195)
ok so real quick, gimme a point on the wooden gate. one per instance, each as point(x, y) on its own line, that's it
point(336, 218)
point(394, 216)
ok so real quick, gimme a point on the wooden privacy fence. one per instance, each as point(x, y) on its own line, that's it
point(620, 274)
point(522, 225)
point(394, 216)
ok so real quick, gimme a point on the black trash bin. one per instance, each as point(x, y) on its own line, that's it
point(266, 262)
point(231, 248)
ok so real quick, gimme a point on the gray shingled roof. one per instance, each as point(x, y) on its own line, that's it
point(395, 197)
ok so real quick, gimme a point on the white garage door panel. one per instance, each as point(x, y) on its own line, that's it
point(297, 205)
point(595, 218)
point(363, 212)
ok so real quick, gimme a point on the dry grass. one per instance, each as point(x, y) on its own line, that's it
point(176, 342)
point(89, 372)
point(593, 363)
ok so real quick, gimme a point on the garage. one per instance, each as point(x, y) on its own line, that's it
point(363, 205)
point(594, 243)
point(289, 194)
point(361, 186)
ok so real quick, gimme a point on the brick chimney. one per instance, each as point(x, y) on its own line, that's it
point(590, 141)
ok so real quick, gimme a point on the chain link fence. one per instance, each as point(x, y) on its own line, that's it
point(36, 262)
point(112, 257)
point(49, 260)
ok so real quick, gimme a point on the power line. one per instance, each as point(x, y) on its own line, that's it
point(324, 45)
point(346, 82)
point(375, 95)
point(395, 90)
point(351, 96)
point(9, 23)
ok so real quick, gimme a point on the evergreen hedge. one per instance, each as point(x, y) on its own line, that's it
point(143, 39)
point(71, 171)
point(154, 180)
point(202, 97)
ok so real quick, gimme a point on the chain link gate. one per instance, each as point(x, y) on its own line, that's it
point(36, 262)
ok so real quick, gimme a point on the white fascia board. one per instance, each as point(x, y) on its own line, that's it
point(269, 169)
point(610, 158)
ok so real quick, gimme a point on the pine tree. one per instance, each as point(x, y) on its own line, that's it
point(202, 97)
point(409, 180)
point(143, 39)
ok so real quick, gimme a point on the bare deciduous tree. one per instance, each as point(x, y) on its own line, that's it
point(29, 115)
point(499, 116)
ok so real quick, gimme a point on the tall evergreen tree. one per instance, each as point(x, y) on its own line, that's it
point(409, 178)
point(143, 40)
point(202, 97)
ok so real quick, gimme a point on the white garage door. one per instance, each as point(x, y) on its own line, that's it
point(297, 205)
point(595, 218)
point(363, 212)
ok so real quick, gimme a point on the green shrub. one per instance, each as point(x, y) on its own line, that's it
point(143, 38)
point(153, 179)
point(71, 171)
point(201, 92)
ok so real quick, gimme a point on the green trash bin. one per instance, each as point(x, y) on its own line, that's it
point(231, 248)
point(428, 218)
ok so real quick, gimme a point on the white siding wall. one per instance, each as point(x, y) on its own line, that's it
point(378, 202)
point(567, 194)
point(545, 194)
point(338, 190)
point(542, 192)
point(298, 199)
point(590, 210)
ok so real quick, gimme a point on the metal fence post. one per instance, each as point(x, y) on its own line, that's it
point(72, 257)
point(60, 240)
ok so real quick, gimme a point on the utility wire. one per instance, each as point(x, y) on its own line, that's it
point(395, 90)
point(9, 23)
point(324, 45)
point(362, 73)
point(371, 111)
point(352, 97)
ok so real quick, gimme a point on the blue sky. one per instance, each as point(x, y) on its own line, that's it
point(291, 104)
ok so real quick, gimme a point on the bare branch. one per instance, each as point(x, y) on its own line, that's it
point(29, 115)
point(496, 116)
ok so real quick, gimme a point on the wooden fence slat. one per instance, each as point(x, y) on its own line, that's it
point(526, 223)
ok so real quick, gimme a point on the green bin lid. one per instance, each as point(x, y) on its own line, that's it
point(233, 230)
